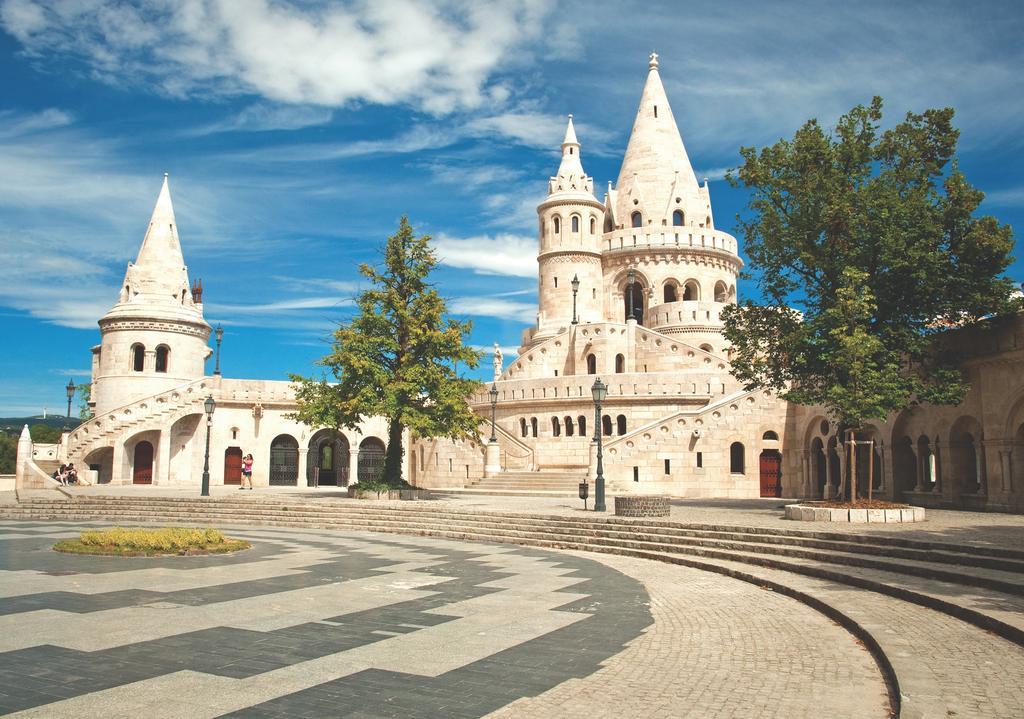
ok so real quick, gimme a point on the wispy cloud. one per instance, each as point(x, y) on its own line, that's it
point(72, 372)
point(1007, 197)
point(330, 55)
point(525, 312)
point(264, 117)
point(498, 255)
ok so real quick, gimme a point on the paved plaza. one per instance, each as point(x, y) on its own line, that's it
point(320, 624)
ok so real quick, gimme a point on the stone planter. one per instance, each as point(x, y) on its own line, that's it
point(809, 513)
point(354, 492)
point(638, 505)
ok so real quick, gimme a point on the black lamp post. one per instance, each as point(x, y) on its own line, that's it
point(575, 288)
point(71, 393)
point(631, 279)
point(209, 405)
point(599, 391)
point(220, 335)
point(494, 405)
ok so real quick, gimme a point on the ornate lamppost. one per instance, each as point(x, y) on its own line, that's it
point(220, 335)
point(71, 393)
point(209, 405)
point(492, 463)
point(575, 288)
point(599, 392)
point(631, 281)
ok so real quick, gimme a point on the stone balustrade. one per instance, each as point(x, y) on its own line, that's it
point(696, 238)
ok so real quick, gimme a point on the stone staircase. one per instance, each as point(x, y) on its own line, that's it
point(157, 411)
point(545, 483)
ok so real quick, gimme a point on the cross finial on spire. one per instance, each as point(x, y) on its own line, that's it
point(654, 61)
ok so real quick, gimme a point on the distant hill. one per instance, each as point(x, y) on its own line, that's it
point(13, 425)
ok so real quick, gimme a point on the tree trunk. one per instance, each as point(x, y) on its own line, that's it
point(393, 459)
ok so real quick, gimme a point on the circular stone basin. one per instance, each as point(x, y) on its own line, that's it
point(639, 505)
point(810, 513)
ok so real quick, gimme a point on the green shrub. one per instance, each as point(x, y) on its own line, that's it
point(165, 540)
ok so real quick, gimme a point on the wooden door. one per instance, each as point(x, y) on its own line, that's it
point(142, 466)
point(232, 465)
point(771, 473)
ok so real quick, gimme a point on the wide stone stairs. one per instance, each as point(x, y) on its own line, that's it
point(922, 608)
point(543, 483)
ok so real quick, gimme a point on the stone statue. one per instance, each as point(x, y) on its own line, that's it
point(497, 362)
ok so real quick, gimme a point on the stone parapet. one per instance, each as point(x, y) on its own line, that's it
point(642, 505)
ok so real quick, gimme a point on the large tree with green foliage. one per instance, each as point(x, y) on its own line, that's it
point(865, 245)
point(397, 358)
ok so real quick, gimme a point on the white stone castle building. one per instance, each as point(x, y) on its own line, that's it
point(631, 287)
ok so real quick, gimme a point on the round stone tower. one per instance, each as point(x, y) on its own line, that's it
point(155, 337)
point(570, 226)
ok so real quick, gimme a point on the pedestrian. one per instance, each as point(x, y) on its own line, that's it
point(60, 474)
point(246, 471)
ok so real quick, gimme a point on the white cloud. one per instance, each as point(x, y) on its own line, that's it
point(525, 312)
point(438, 56)
point(263, 117)
point(539, 130)
point(1007, 197)
point(72, 372)
point(713, 174)
point(417, 139)
point(266, 308)
point(498, 255)
point(508, 352)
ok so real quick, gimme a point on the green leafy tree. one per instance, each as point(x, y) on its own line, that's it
point(866, 245)
point(8, 453)
point(397, 358)
point(84, 397)
point(44, 434)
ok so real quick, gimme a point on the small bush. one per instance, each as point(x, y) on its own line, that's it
point(143, 541)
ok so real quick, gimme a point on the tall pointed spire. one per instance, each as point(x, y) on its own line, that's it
point(656, 169)
point(159, 276)
point(571, 179)
point(161, 246)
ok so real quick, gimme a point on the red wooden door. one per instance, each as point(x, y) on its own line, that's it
point(232, 465)
point(142, 467)
point(771, 473)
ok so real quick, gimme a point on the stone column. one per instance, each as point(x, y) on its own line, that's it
point(303, 466)
point(162, 461)
point(117, 468)
point(806, 489)
point(828, 492)
point(492, 459)
point(918, 468)
point(149, 361)
point(24, 455)
point(980, 446)
point(353, 466)
point(1006, 465)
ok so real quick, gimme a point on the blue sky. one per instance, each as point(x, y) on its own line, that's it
point(297, 132)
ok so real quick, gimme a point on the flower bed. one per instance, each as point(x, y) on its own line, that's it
point(145, 542)
point(859, 504)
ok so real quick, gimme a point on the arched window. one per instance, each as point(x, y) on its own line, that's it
point(558, 225)
point(736, 459)
point(633, 299)
point(522, 426)
point(138, 357)
point(593, 225)
point(677, 218)
point(591, 364)
point(575, 224)
point(620, 364)
point(606, 425)
point(620, 424)
point(556, 427)
point(707, 221)
point(638, 219)
point(533, 425)
point(691, 291)
point(568, 427)
point(707, 348)
point(581, 423)
point(721, 292)
point(163, 353)
point(670, 293)
point(770, 435)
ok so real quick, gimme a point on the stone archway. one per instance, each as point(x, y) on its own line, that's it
point(371, 459)
point(284, 461)
point(142, 463)
point(328, 459)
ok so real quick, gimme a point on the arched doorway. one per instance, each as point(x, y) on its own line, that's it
point(233, 465)
point(328, 457)
point(966, 455)
point(142, 463)
point(771, 473)
point(371, 459)
point(633, 299)
point(284, 461)
point(819, 470)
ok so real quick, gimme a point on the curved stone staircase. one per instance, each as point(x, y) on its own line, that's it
point(158, 411)
point(924, 609)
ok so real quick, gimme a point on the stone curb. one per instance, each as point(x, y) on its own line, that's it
point(810, 513)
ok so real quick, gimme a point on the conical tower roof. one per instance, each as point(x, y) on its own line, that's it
point(157, 282)
point(656, 169)
point(571, 181)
